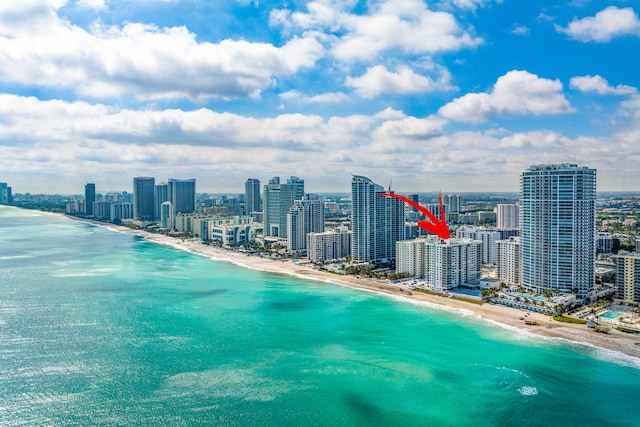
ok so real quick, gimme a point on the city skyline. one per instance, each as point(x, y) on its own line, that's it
point(452, 95)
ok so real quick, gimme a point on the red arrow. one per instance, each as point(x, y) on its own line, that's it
point(437, 227)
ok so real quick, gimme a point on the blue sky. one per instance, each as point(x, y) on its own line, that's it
point(458, 95)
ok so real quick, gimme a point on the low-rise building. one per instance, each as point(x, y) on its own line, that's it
point(328, 245)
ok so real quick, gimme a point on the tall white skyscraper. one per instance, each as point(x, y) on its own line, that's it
point(251, 196)
point(305, 216)
point(507, 216)
point(166, 215)
point(557, 222)
point(508, 260)
point(377, 223)
point(442, 264)
point(278, 199)
point(144, 198)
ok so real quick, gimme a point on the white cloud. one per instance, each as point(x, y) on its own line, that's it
point(322, 98)
point(607, 24)
point(92, 4)
point(329, 98)
point(515, 93)
point(471, 4)
point(57, 146)
point(520, 30)
point(407, 25)
point(378, 80)
point(39, 48)
point(599, 85)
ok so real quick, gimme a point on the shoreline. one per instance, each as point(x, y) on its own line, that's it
point(496, 315)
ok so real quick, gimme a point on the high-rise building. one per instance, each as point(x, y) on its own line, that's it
point(604, 243)
point(377, 223)
point(453, 202)
point(182, 195)
point(508, 260)
point(144, 198)
point(558, 228)
point(166, 215)
point(488, 237)
point(442, 264)
point(5, 194)
point(278, 200)
point(89, 198)
point(252, 196)
point(628, 277)
point(161, 195)
point(305, 216)
point(507, 215)
point(328, 245)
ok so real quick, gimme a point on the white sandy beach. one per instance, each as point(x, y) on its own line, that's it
point(506, 316)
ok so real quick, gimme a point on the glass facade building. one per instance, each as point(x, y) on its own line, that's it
point(557, 226)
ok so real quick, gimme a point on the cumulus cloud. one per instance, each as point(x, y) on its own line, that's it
point(406, 25)
point(605, 25)
point(39, 48)
point(599, 85)
point(322, 98)
point(520, 30)
point(94, 142)
point(515, 93)
point(471, 4)
point(378, 80)
point(92, 4)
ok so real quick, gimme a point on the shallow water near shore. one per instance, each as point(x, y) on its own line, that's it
point(104, 328)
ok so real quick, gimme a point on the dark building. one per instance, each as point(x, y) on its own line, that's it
point(182, 195)
point(252, 196)
point(144, 198)
point(89, 198)
point(161, 196)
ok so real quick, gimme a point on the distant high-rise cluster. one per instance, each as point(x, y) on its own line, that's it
point(5, 194)
point(558, 228)
point(278, 200)
point(377, 223)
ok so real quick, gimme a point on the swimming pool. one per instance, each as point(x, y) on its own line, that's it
point(611, 314)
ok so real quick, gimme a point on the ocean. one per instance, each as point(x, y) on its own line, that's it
point(100, 328)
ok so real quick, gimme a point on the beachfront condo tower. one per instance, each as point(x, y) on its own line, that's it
point(144, 198)
point(278, 200)
point(558, 228)
point(377, 223)
point(89, 198)
point(305, 216)
point(182, 195)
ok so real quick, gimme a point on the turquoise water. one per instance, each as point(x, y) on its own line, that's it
point(611, 314)
point(102, 328)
